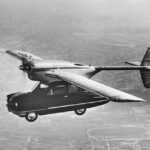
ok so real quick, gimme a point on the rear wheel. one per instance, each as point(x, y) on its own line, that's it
point(31, 116)
point(80, 111)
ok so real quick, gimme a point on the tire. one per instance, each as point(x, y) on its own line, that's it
point(80, 111)
point(31, 116)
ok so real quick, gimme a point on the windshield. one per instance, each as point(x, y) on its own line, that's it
point(39, 88)
point(34, 87)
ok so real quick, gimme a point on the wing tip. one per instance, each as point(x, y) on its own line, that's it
point(129, 100)
point(138, 100)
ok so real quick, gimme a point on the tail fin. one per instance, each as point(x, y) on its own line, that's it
point(145, 73)
point(144, 68)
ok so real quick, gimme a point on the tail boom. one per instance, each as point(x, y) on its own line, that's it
point(143, 67)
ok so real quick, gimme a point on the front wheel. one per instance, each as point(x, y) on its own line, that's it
point(80, 111)
point(31, 116)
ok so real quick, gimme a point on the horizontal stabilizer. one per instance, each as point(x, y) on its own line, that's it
point(133, 63)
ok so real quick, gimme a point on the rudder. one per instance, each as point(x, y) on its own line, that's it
point(145, 73)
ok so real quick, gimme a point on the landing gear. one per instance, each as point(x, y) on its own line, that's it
point(80, 111)
point(31, 116)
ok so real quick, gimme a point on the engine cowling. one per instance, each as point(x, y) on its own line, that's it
point(25, 67)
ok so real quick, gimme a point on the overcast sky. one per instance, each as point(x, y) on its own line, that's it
point(86, 15)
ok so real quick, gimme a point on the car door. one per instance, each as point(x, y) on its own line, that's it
point(57, 95)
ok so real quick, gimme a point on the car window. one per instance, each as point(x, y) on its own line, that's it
point(72, 89)
point(40, 88)
point(60, 89)
point(43, 86)
point(57, 90)
point(50, 91)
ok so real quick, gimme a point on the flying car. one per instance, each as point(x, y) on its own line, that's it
point(66, 86)
point(59, 96)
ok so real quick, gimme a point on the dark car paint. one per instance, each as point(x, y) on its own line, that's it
point(40, 102)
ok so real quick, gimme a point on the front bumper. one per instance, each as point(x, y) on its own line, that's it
point(16, 112)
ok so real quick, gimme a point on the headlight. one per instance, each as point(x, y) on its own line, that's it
point(16, 104)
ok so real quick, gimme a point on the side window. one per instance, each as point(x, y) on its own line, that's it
point(72, 89)
point(50, 91)
point(59, 89)
point(43, 86)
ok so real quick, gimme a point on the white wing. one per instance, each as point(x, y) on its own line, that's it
point(23, 56)
point(95, 87)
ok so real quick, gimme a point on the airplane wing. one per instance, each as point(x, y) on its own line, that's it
point(94, 87)
point(23, 56)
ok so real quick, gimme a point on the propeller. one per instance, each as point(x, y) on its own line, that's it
point(25, 67)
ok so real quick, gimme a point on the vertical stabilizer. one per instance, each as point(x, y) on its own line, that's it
point(145, 73)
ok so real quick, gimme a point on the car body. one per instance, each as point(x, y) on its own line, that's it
point(59, 96)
